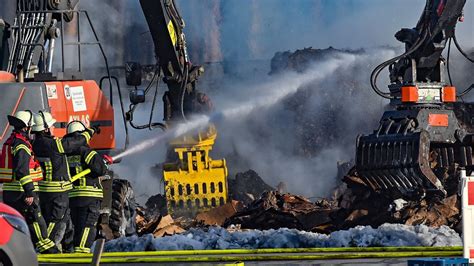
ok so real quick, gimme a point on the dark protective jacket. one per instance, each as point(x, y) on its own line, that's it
point(86, 158)
point(24, 167)
point(51, 153)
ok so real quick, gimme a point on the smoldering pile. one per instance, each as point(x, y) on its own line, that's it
point(352, 204)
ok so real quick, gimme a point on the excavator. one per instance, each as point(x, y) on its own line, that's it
point(421, 144)
point(33, 77)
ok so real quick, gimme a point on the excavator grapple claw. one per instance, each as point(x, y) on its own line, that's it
point(194, 181)
point(397, 165)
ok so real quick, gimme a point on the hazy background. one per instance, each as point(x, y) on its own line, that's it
point(235, 40)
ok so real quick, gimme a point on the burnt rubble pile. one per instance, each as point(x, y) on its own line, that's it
point(353, 203)
point(247, 186)
point(276, 210)
point(359, 205)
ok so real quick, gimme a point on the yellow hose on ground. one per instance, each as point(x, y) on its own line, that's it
point(248, 257)
point(254, 251)
point(257, 258)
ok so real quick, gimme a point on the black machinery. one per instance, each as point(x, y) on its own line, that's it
point(419, 146)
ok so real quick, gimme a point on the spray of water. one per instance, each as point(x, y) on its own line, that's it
point(272, 93)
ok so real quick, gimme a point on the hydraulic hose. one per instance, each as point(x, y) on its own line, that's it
point(133, 107)
point(153, 105)
point(460, 49)
point(456, 43)
point(447, 63)
point(379, 68)
point(124, 118)
point(183, 90)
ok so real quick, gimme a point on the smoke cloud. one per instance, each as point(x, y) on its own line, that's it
point(273, 138)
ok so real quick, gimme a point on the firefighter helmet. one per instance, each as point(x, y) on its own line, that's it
point(21, 119)
point(43, 121)
point(75, 126)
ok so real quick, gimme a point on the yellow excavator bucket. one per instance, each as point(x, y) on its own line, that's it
point(195, 182)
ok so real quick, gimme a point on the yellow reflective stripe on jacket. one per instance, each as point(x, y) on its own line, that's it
point(36, 174)
point(85, 235)
point(60, 145)
point(21, 147)
point(51, 227)
point(16, 186)
point(82, 250)
point(37, 229)
point(45, 244)
point(6, 175)
point(48, 167)
point(86, 191)
point(87, 136)
point(25, 180)
point(54, 186)
point(90, 156)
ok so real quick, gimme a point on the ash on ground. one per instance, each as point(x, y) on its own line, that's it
point(220, 238)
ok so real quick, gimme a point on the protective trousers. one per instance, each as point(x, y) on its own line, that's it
point(34, 219)
point(55, 207)
point(68, 240)
point(85, 213)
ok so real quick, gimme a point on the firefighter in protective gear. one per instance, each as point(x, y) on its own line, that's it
point(86, 194)
point(53, 189)
point(20, 193)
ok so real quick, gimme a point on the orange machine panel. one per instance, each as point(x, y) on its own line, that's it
point(449, 94)
point(6, 77)
point(438, 120)
point(409, 94)
point(83, 101)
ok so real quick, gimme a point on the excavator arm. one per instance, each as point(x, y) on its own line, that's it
point(426, 42)
point(180, 75)
point(193, 180)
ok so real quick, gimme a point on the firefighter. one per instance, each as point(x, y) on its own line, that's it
point(53, 189)
point(86, 194)
point(24, 171)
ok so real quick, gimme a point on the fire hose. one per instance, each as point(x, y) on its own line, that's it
point(255, 254)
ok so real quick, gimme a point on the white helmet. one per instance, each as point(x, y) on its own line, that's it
point(21, 119)
point(43, 121)
point(75, 126)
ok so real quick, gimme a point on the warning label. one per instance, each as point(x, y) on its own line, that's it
point(78, 99)
point(51, 91)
